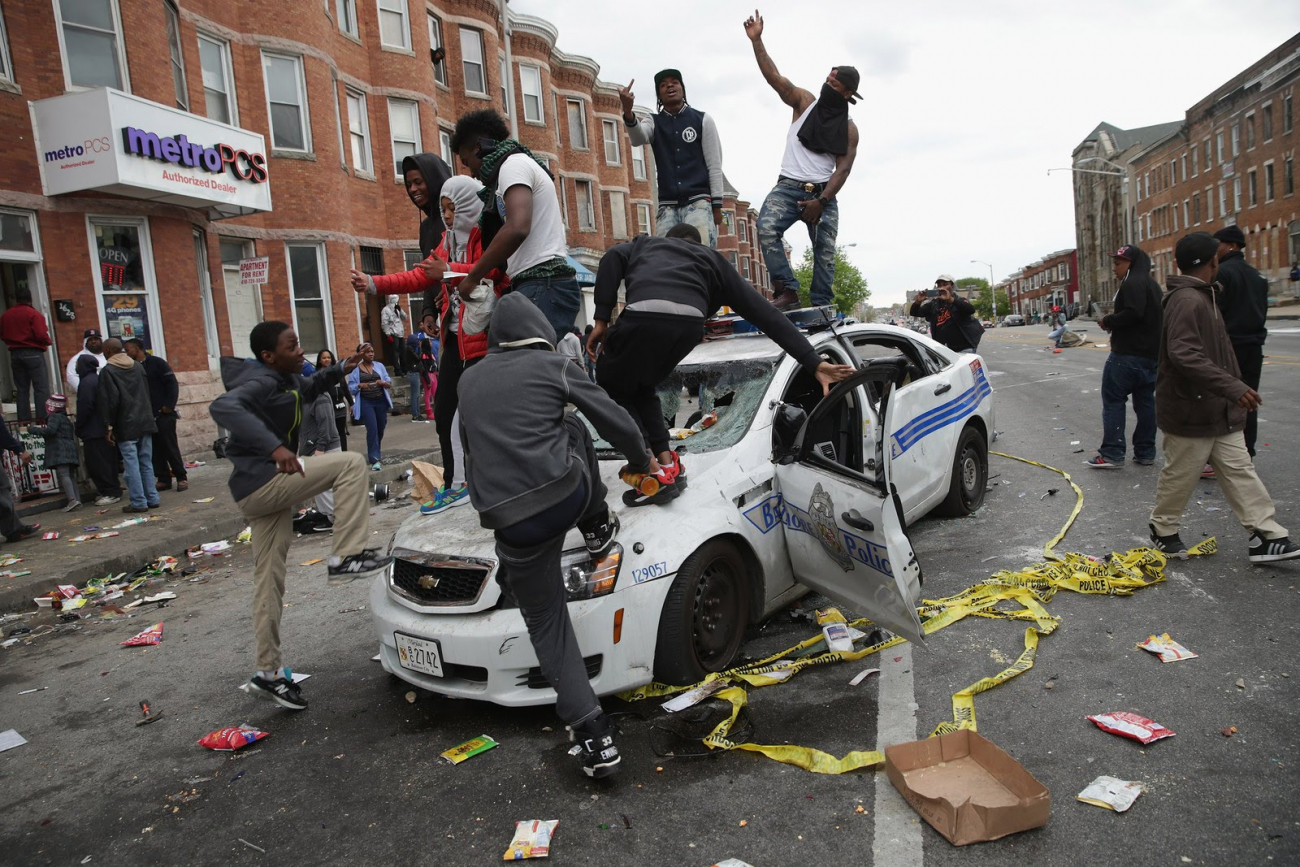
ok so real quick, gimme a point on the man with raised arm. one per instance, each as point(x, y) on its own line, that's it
point(820, 147)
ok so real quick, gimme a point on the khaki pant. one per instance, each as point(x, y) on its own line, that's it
point(1185, 457)
point(270, 510)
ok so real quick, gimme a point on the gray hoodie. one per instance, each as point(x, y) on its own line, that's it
point(519, 463)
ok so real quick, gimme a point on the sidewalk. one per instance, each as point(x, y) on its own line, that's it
point(181, 523)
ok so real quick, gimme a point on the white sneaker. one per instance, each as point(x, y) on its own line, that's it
point(107, 501)
point(75, 504)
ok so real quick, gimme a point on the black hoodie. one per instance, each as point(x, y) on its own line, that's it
point(1135, 325)
point(89, 423)
point(436, 173)
point(1244, 300)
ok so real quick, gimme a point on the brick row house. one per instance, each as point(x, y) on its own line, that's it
point(1052, 281)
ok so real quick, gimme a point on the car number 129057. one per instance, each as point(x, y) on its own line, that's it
point(645, 573)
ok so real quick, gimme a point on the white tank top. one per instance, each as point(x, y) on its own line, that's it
point(802, 164)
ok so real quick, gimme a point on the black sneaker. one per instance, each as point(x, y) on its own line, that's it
point(312, 521)
point(1170, 546)
point(367, 564)
point(282, 691)
point(24, 532)
point(667, 493)
point(1272, 550)
point(600, 536)
point(594, 747)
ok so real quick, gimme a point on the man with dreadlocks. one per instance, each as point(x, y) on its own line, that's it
point(688, 157)
point(820, 147)
point(521, 226)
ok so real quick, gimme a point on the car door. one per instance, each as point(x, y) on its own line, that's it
point(844, 531)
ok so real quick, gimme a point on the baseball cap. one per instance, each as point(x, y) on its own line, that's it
point(1194, 250)
point(1126, 253)
point(848, 76)
point(945, 278)
point(1231, 235)
point(91, 332)
point(666, 73)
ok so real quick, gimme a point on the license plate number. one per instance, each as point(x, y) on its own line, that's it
point(417, 654)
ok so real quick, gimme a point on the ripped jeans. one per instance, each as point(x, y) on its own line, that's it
point(780, 212)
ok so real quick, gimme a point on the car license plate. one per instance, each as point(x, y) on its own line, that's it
point(417, 654)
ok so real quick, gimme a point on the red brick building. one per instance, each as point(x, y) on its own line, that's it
point(1052, 281)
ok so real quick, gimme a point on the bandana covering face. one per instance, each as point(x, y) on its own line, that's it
point(826, 130)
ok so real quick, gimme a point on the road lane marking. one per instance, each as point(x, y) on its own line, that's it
point(1036, 381)
point(897, 840)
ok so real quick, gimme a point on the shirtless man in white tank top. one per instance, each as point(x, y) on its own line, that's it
point(821, 145)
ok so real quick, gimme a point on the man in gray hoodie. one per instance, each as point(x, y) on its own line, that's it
point(533, 474)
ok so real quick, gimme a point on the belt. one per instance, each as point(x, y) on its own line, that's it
point(806, 186)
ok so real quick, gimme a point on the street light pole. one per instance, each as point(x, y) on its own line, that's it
point(992, 290)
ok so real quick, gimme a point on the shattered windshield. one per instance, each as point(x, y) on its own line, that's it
point(708, 406)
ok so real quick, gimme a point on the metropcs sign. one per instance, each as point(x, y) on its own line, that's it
point(113, 142)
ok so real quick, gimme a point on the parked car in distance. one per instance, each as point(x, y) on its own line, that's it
point(987, 323)
point(1013, 319)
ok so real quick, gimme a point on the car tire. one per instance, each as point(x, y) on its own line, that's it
point(702, 625)
point(970, 475)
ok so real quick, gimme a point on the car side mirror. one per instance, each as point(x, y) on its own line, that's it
point(786, 425)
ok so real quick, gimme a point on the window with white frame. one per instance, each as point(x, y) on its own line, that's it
point(411, 258)
point(577, 110)
point(471, 61)
point(286, 98)
point(338, 118)
point(90, 34)
point(609, 130)
point(404, 126)
point(1183, 169)
point(218, 80)
point(1218, 147)
point(1187, 213)
point(310, 293)
point(1250, 131)
point(586, 206)
point(1268, 182)
point(444, 147)
point(359, 132)
point(1223, 198)
point(564, 198)
point(347, 13)
point(394, 32)
point(618, 215)
point(744, 231)
point(6, 60)
point(505, 91)
point(125, 280)
point(1267, 112)
point(1195, 165)
point(1252, 188)
point(1236, 138)
point(643, 226)
point(436, 43)
point(638, 162)
point(1209, 203)
point(173, 16)
point(530, 83)
point(744, 267)
point(555, 112)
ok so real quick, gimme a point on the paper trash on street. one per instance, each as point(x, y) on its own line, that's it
point(532, 840)
point(1166, 648)
point(1130, 725)
point(469, 749)
point(694, 696)
point(10, 739)
point(1110, 793)
point(863, 675)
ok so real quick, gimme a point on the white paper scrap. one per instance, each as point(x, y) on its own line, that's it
point(863, 675)
point(693, 696)
point(10, 739)
point(1111, 793)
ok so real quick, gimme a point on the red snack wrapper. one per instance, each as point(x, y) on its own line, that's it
point(231, 738)
point(152, 635)
point(1130, 725)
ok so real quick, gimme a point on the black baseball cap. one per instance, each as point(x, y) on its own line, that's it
point(1194, 250)
point(848, 76)
point(667, 73)
point(1231, 235)
point(1127, 252)
point(91, 332)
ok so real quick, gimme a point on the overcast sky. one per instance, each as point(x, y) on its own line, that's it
point(966, 106)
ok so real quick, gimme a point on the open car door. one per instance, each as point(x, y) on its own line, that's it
point(843, 527)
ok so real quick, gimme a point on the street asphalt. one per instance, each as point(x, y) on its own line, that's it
point(357, 777)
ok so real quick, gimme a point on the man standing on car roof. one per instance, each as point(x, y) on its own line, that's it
point(951, 317)
point(673, 285)
point(688, 157)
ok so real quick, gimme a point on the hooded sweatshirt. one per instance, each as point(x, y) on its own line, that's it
point(263, 409)
point(435, 172)
point(90, 425)
point(70, 374)
point(123, 399)
point(1198, 382)
point(512, 419)
point(1244, 300)
point(1135, 324)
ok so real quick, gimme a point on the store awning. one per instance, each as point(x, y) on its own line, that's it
point(585, 277)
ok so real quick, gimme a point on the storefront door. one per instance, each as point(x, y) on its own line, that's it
point(124, 278)
point(243, 303)
point(20, 267)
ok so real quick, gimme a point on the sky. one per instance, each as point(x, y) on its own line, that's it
point(965, 106)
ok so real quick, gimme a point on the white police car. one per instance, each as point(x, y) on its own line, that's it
point(787, 491)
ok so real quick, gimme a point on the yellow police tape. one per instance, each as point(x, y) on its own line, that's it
point(1026, 591)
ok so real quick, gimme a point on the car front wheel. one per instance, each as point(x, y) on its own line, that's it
point(704, 617)
point(970, 474)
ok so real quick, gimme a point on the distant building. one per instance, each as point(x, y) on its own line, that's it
point(1052, 281)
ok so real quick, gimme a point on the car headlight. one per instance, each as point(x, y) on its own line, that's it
point(587, 576)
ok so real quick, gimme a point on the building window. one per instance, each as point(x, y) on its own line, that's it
point(1236, 139)
point(643, 226)
point(505, 91)
point(1173, 173)
point(1268, 182)
point(347, 12)
point(618, 215)
point(393, 30)
point(1250, 131)
point(744, 231)
point(1187, 213)
point(1252, 195)
point(359, 132)
point(564, 198)
point(437, 52)
point(1209, 202)
point(744, 267)
point(471, 61)
point(178, 60)
point(404, 127)
point(638, 162)
point(609, 129)
point(586, 206)
point(1236, 198)
point(1288, 176)
point(218, 82)
point(1195, 166)
point(286, 98)
point(444, 147)
point(411, 258)
point(1183, 168)
point(577, 123)
point(311, 304)
point(728, 223)
point(1218, 147)
point(1268, 122)
point(555, 112)
point(6, 59)
point(731, 254)
point(128, 294)
point(91, 36)
point(1286, 114)
point(530, 82)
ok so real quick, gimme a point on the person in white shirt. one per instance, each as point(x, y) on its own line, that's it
point(392, 322)
point(92, 344)
point(522, 228)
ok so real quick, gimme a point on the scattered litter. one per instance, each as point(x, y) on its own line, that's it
point(164, 596)
point(1075, 442)
point(10, 739)
point(241, 839)
point(694, 696)
point(313, 562)
point(743, 823)
point(1051, 492)
point(410, 697)
point(189, 465)
point(205, 500)
point(469, 749)
point(152, 635)
point(1111, 793)
point(86, 537)
point(130, 522)
point(863, 675)
point(1057, 428)
point(32, 690)
point(837, 638)
point(1130, 725)
point(50, 536)
point(7, 560)
point(352, 610)
point(1227, 732)
point(215, 547)
point(532, 840)
point(375, 658)
point(231, 738)
point(735, 862)
point(245, 536)
point(989, 559)
point(19, 574)
point(148, 714)
point(1241, 683)
point(1166, 648)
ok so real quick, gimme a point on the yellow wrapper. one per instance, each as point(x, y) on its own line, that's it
point(469, 749)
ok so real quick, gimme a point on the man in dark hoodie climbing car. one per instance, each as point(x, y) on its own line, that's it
point(533, 474)
point(1130, 369)
point(423, 175)
point(1244, 300)
point(820, 147)
point(262, 408)
point(1201, 406)
point(673, 285)
point(522, 227)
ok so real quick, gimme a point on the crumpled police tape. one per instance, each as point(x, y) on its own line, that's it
point(1025, 591)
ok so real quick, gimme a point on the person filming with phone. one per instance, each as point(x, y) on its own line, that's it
point(952, 318)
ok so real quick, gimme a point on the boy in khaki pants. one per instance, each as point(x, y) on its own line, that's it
point(262, 408)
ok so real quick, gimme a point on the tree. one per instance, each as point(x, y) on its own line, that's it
point(984, 303)
point(978, 282)
point(849, 285)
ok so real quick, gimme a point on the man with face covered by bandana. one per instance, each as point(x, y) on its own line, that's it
point(821, 145)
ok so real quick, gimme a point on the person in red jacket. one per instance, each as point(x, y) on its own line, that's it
point(463, 340)
point(25, 332)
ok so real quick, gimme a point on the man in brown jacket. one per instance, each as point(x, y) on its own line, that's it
point(1201, 406)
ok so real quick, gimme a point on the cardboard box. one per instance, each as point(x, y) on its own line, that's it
point(967, 788)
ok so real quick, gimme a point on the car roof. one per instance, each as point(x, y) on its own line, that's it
point(756, 347)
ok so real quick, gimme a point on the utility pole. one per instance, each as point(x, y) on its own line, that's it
point(511, 114)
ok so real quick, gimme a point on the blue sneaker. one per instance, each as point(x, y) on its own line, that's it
point(446, 499)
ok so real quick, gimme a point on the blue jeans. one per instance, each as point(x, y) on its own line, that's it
point(1055, 335)
point(374, 415)
point(137, 457)
point(1126, 375)
point(415, 380)
point(698, 214)
point(780, 211)
point(557, 297)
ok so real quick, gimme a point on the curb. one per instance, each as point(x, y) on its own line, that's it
point(17, 597)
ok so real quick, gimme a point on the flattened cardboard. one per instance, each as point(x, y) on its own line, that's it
point(967, 788)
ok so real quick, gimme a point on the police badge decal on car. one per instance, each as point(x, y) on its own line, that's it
point(821, 514)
